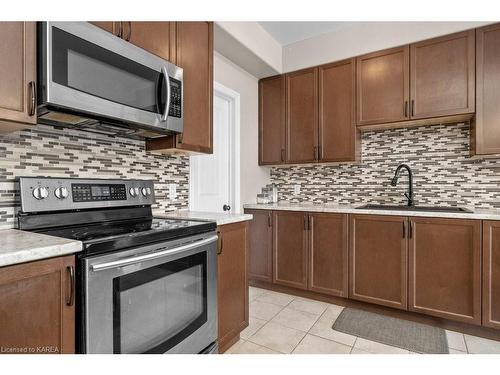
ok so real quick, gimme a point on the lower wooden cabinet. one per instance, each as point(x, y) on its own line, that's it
point(260, 251)
point(290, 249)
point(378, 260)
point(232, 283)
point(328, 253)
point(445, 268)
point(491, 274)
point(37, 310)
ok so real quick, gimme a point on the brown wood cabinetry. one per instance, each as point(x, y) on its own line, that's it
point(338, 135)
point(485, 132)
point(378, 260)
point(232, 283)
point(491, 274)
point(193, 53)
point(445, 268)
point(110, 26)
point(302, 116)
point(442, 73)
point(272, 120)
point(37, 310)
point(155, 37)
point(328, 255)
point(260, 251)
point(383, 81)
point(17, 75)
point(290, 249)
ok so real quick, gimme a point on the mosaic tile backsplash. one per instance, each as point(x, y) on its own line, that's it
point(444, 174)
point(61, 152)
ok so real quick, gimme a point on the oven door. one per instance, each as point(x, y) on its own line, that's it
point(89, 71)
point(155, 299)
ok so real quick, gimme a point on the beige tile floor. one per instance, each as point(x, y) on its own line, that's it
point(282, 323)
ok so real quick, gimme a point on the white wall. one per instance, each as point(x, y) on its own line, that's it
point(253, 177)
point(364, 37)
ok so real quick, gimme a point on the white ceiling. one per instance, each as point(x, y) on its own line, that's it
point(290, 32)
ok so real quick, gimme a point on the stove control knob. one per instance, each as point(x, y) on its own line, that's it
point(40, 193)
point(146, 191)
point(61, 193)
point(134, 192)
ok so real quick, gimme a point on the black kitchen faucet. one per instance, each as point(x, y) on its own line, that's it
point(409, 194)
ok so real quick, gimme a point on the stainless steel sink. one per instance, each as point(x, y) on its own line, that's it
point(415, 208)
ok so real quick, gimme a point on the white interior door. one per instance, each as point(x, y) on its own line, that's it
point(212, 180)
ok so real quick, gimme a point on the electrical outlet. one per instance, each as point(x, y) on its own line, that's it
point(172, 191)
point(296, 189)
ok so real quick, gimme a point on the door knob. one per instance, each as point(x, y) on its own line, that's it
point(226, 207)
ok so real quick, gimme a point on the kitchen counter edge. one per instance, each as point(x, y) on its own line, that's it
point(219, 217)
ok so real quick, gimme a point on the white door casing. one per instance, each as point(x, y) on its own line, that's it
point(215, 179)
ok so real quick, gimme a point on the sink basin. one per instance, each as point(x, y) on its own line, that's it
point(415, 208)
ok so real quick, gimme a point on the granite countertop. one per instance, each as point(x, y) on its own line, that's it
point(221, 218)
point(479, 214)
point(18, 246)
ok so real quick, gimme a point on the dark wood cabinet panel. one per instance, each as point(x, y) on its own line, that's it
point(272, 120)
point(232, 283)
point(110, 26)
point(383, 86)
point(485, 132)
point(17, 75)
point(338, 134)
point(442, 76)
point(155, 37)
point(491, 274)
point(328, 263)
point(260, 245)
point(302, 116)
point(445, 268)
point(290, 249)
point(378, 260)
point(35, 305)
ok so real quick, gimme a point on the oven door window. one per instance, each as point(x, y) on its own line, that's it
point(89, 68)
point(156, 308)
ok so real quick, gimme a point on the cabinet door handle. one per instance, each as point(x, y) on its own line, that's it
point(413, 107)
point(406, 108)
point(129, 34)
point(32, 88)
point(305, 222)
point(219, 243)
point(71, 300)
point(269, 223)
point(410, 230)
point(404, 229)
point(309, 222)
point(282, 154)
point(316, 154)
point(120, 29)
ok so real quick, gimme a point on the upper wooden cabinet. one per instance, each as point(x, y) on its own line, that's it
point(378, 260)
point(260, 245)
point(383, 81)
point(491, 274)
point(485, 132)
point(445, 268)
point(338, 135)
point(302, 116)
point(17, 75)
point(442, 73)
point(37, 309)
point(272, 120)
point(155, 37)
point(110, 26)
point(193, 53)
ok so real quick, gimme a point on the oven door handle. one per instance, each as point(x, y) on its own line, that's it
point(167, 102)
point(151, 256)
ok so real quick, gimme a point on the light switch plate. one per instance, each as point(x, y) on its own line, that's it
point(172, 191)
point(296, 189)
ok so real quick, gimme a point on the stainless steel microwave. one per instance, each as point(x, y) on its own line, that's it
point(93, 80)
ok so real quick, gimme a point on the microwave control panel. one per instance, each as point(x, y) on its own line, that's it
point(175, 109)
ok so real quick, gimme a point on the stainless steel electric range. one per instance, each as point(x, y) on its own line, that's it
point(143, 284)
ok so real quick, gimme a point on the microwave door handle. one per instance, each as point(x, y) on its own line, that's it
point(167, 103)
point(152, 256)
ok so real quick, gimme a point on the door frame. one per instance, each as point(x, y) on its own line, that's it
point(233, 98)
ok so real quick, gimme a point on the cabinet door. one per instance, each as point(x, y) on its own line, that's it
point(272, 120)
point(378, 260)
point(194, 54)
point(383, 86)
point(485, 137)
point(110, 26)
point(154, 37)
point(232, 283)
point(445, 268)
point(442, 76)
point(338, 135)
point(261, 245)
point(290, 249)
point(302, 116)
point(17, 74)
point(37, 307)
point(491, 274)
point(328, 254)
